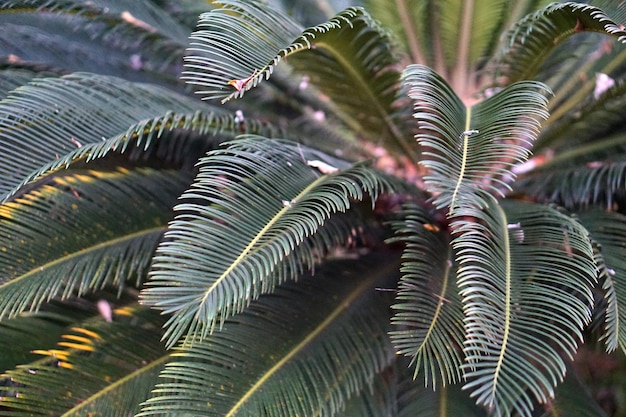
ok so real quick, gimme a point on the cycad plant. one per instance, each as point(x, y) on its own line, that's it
point(407, 209)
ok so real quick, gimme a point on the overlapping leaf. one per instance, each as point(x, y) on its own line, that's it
point(428, 313)
point(99, 368)
point(566, 183)
point(526, 273)
point(349, 58)
point(609, 230)
point(469, 151)
point(256, 215)
point(51, 117)
point(133, 40)
point(534, 37)
point(303, 350)
point(82, 231)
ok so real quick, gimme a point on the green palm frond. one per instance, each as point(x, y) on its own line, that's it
point(349, 58)
point(609, 230)
point(469, 151)
point(590, 125)
point(428, 313)
point(573, 399)
point(28, 332)
point(448, 401)
point(302, 350)
point(572, 185)
point(133, 40)
point(176, 139)
point(531, 40)
point(82, 231)
point(256, 215)
point(526, 274)
point(51, 117)
point(98, 368)
point(379, 399)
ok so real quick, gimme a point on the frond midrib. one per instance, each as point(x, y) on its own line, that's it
point(244, 253)
point(87, 402)
point(354, 75)
point(300, 347)
point(507, 299)
point(82, 252)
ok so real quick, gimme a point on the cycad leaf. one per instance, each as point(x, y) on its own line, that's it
point(134, 40)
point(572, 398)
point(535, 36)
point(27, 332)
point(176, 139)
point(82, 231)
point(563, 182)
point(256, 215)
point(348, 58)
point(469, 151)
point(526, 274)
point(609, 230)
point(51, 117)
point(428, 320)
point(449, 401)
point(98, 368)
point(302, 350)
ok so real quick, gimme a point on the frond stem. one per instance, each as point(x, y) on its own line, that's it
point(507, 299)
point(245, 252)
point(409, 28)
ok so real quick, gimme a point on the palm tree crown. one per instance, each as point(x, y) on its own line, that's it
point(310, 209)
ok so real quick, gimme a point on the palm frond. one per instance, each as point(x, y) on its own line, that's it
point(98, 368)
point(133, 40)
point(28, 332)
point(175, 139)
point(448, 401)
point(572, 398)
point(526, 274)
point(302, 350)
point(535, 36)
point(377, 399)
point(469, 151)
point(52, 117)
point(562, 181)
point(589, 126)
point(349, 58)
point(82, 231)
point(428, 313)
point(609, 230)
point(256, 215)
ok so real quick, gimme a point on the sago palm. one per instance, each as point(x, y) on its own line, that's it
point(408, 208)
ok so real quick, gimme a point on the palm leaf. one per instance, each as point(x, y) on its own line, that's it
point(469, 151)
point(260, 210)
point(609, 230)
point(238, 46)
point(133, 40)
point(572, 398)
point(588, 128)
point(526, 274)
point(28, 332)
point(82, 231)
point(535, 36)
point(51, 117)
point(323, 340)
point(428, 312)
point(97, 369)
point(379, 399)
point(449, 401)
point(174, 139)
point(562, 182)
